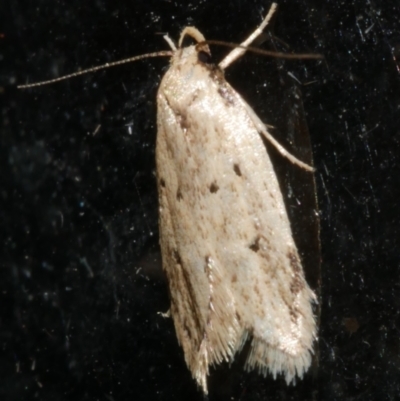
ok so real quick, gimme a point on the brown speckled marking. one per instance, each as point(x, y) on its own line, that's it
point(294, 262)
point(255, 245)
point(177, 257)
point(236, 169)
point(227, 95)
point(225, 225)
point(194, 97)
point(267, 282)
point(294, 314)
point(179, 195)
point(187, 284)
point(214, 188)
point(187, 330)
point(217, 75)
point(183, 122)
point(297, 284)
point(238, 317)
point(208, 271)
point(262, 245)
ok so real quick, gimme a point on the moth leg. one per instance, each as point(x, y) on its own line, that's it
point(260, 127)
point(239, 51)
point(170, 42)
point(284, 152)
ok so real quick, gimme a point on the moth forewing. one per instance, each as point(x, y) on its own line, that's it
point(227, 247)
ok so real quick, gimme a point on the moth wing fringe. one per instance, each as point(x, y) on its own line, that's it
point(224, 333)
point(267, 359)
point(218, 337)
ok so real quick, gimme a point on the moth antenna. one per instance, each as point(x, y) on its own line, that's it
point(238, 52)
point(165, 53)
point(170, 42)
point(194, 33)
point(271, 53)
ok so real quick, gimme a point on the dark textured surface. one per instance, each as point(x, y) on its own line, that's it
point(81, 280)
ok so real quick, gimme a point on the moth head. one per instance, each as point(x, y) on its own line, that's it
point(201, 50)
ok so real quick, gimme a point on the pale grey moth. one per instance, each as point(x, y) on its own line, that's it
point(233, 268)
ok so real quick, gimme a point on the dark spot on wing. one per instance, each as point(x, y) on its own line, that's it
point(187, 330)
point(177, 257)
point(236, 169)
point(214, 188)
point(255, 245)
point(182, 121)
point(179, 195)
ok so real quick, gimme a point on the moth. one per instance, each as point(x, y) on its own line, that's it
point(233, 268)
point(228, 252)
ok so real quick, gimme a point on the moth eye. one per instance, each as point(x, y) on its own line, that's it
point(204, 57)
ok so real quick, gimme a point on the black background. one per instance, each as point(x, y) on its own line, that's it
point(81, 280)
